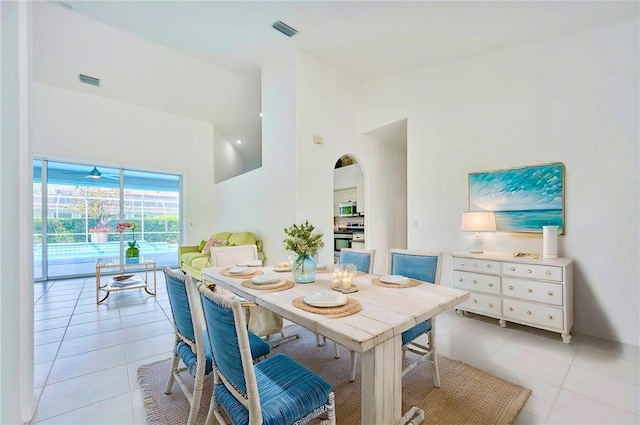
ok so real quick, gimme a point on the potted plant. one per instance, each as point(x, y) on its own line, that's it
point(132, 253)
point(305, 243)
point(99, 234)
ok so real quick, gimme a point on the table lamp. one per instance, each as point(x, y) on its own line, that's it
point(480, 221)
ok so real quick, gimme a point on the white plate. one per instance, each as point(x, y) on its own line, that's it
point(326, 299)
point(240, 270)
point(251, 263)
point(282, 269)
point(395, 278)
point(264, 279)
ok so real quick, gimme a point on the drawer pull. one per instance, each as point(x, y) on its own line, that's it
point(529, 290)
point(475, 281)
point(511, 287)
point(510, 308)
point(462, 264)
point(548, 273)
point(488, 266)
point(475, 264)
point(475, 301)
point(529, 271)
point(549, 293)
point(490, 304)
point(459, 279)
point(490, 285)
point(550, 317)
point(528, 311)
point(513, 269)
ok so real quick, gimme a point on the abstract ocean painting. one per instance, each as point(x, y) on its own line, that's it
point(524, 199)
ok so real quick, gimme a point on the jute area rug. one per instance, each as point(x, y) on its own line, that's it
point(467, 395)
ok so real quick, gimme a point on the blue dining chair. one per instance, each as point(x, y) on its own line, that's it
point(277, 390)
point(425, 266)
point(191, 339)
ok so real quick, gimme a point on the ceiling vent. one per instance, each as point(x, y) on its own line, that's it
point(89, 80)
point(284, 28)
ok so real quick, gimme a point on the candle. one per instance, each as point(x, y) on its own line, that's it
point(346, 283)
point(335, 283)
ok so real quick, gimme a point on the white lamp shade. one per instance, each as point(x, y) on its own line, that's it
point(478, 221)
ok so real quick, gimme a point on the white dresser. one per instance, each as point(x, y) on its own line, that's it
point(533, 292)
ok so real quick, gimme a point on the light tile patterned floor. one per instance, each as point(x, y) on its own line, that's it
point(87, 355)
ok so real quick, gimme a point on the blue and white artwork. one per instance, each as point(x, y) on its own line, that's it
point(524, 199)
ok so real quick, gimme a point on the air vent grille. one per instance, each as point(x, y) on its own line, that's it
point(89, 80)
point(284, 28)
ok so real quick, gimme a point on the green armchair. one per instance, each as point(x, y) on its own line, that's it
point(192, 260)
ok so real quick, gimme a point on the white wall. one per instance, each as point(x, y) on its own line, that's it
point(227, 161)
point(17, 401)
point(573, 100)
point(72, 125)
point(139, 72)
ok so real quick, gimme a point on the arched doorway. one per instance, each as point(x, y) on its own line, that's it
point(349, 204)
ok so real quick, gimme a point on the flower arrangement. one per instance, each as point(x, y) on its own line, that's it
point(301, 239)
point(121, 227)
point(99, 230)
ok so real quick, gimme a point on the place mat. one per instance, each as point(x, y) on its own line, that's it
point(325, 269)
point(280, 285)
point(225, 272)
point(351, 307)
point(410, 284)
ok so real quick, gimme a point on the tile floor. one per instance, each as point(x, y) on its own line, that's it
point(87, 355)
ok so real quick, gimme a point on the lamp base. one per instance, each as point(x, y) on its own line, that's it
point(476, 244)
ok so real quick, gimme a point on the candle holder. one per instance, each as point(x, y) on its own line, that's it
point(344, 278)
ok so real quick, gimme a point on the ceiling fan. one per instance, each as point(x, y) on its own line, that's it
point(94, 174)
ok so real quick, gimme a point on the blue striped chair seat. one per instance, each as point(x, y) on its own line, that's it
point(296, 389)
point(416, 331)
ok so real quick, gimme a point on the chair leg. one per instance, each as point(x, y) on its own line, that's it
point(336, 350)
point(196, 395)
point(174, 368)
point(320, 340)
point(352, 372)
point(434, 358)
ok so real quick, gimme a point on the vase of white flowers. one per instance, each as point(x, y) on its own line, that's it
point(301, 240)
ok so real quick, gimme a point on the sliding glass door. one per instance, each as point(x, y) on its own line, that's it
point(77, 209)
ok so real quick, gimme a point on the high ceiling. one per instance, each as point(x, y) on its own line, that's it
point(363, 39)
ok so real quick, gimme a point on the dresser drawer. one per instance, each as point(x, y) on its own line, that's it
point(473, 265)
point(476, 282)
point(537, 314)
point(533, 271)
point(533, 290)
point(482, 303)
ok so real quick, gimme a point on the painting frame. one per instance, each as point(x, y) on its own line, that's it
point(523, 198)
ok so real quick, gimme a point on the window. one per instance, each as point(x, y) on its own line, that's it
point(77, 207)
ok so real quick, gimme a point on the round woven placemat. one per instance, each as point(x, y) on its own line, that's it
point(411, 283)
point(351, 307)
point(280, 285)
point(225, 272)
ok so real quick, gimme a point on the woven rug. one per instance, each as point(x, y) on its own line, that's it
point(467, 395)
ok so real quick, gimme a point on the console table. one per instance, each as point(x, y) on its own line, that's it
point(532, 292)
point(133, 283)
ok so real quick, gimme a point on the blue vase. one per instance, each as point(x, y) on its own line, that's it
point(304, 269)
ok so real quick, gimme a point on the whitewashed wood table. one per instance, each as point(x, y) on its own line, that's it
point(375, 331)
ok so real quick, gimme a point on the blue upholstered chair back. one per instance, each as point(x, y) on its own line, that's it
point(179, 300)
point(219, 315)
point(363, 259)
point(420, 265)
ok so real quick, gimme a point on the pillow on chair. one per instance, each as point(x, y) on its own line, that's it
point(213, 242)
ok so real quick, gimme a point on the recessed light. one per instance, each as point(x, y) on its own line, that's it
point(239, 141)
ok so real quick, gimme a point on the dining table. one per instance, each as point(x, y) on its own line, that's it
point(374, 331)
